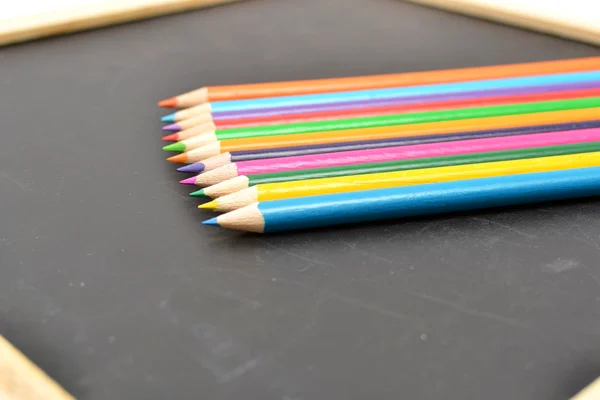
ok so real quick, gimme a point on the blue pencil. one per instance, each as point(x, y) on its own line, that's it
point(435, 198)
point(401, 92)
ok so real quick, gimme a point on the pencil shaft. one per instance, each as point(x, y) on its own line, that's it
point(425, 129)
point(398, 92)
point(195, 126)
point(227, 92)
point(416, 151)
point(249, 155)
point(282, 112)
point(409, 119)
point(243, 182)
point(397, 109)
point(423, 163)
point(427, 199)
point(578, 119)
point(351, 183)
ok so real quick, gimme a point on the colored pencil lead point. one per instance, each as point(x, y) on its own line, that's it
point(171, 128)
point(188, 181)
point(168, 103)
point(211, 205)
point(179, 158)
point(211, 222)
point(171, 138)
point(195, 168)
point(168, 118)
point(199, 193)
point(177, 146)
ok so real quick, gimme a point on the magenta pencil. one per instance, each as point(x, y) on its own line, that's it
point(395, 153)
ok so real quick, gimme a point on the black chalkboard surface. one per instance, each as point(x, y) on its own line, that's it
point(110, 284)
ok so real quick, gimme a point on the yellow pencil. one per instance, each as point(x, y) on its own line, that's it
point(316, 187)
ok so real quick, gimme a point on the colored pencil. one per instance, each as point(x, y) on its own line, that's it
point(395, 153)
point(345, 105)
point(398, 92)
point(271, 89)
point(410, 201)
point(385, 120)
point(243, 182)
point(344, 136)
point(227, 158)
point(353, 183)
point(379, 111)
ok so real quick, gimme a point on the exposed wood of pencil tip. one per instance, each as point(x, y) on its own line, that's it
point(93, 16)
point(237, 200)
point(227, 187)
point(217, 175)
point(198, 96)
point(216, 161)
point(207, 151)
point(577, 30)
point(21, 379)
point(194, 111)
point(247, 219)
point(201, 123)
point(198, 141)
point(196, 130)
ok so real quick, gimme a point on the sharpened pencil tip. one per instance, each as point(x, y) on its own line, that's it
point(211, 205)
point(168, 118)
point(176, 147)
point(171, 138)
point(194, 168)
point(188, 181)
point(211, 222)
point(171, 128)
point(199, 193)
point(168, 103)
point(179, 158)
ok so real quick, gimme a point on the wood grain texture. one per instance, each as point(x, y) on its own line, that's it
point(574, 24)
point(20, 379)
point(91, 16)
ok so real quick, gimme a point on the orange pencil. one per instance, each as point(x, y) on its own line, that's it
point(386, 132)
point(292, 88)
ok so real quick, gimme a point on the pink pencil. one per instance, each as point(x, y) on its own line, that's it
point(396, 153)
